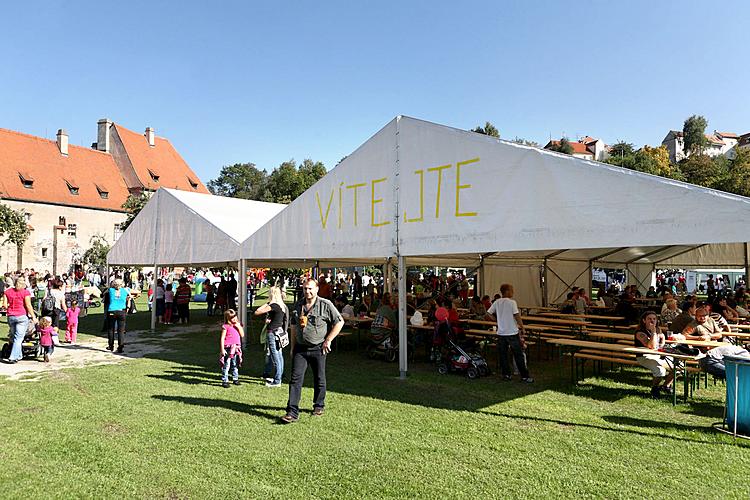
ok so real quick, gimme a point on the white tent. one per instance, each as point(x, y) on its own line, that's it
point(183, 228)
point(429, 194)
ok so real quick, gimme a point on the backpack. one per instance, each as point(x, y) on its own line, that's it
point(48, 303)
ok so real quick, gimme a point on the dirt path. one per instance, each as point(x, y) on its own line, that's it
point(93, 353)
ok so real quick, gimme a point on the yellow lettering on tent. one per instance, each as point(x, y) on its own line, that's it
point(374, 201)
point(341, 208)
point(324, 220)
point(420, 173)
point(356, 187)
point(460, 186)
point(439, 170)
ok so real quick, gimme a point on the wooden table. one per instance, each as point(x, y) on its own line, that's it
point(739, 327)
point(671, 357)
point(540, 319)
point(584, 316)
point(357, 322)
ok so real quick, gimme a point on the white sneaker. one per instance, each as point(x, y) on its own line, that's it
point(271, 384)
point(268, 379)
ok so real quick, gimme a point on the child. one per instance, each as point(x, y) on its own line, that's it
point(71, 315)
point(168, 301)
point(231, 348)
point(46, 332)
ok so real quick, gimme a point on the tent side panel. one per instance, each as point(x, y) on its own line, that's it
point(562, 275)
point(524, 278)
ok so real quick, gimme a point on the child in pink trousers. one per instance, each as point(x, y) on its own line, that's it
point(72, 317)
point(46, 332)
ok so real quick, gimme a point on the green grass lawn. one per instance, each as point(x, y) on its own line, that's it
point(162, 426)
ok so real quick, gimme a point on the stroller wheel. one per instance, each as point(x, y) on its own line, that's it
point(484, 370)
point(390, 355)
point(371, 352)
point(442, 368)
point(472, 373)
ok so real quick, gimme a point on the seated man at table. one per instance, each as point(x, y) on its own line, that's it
point(368, 306)
point(568, 307)
point(346, 310)
point(706, 328)
point(477, 309)
point(386, 320)
point(685, 321)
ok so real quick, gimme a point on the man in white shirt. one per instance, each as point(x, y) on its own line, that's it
point(510, 333)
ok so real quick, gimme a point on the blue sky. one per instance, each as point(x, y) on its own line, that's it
point(266, 82)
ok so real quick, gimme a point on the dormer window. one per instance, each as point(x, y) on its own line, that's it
point(103, 191)
point(26, 179)
point(193, 182)
point(154, 175)
point(72, 186)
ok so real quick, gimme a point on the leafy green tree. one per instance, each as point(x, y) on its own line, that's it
point(738, 174)
point(655, 161)
point(621, 149)
point(520, 140)
point(288, 181)
point(13, 226)
point(488, 129)
point(133, 205)
point(241, 180)
point(694, 134)
point(96, 255)
point(706, 171)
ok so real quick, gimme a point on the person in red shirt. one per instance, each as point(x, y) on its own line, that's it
point(20, 312)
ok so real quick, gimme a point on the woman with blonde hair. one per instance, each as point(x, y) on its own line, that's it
point(277, 319)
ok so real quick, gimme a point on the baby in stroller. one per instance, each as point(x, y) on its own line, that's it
point(30, 347)
point(452, 356)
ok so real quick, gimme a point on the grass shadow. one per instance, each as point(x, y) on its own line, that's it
point(267, 412)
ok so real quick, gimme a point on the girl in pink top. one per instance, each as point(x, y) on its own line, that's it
point(71, 315)
point(46, 332)
point(231, 348)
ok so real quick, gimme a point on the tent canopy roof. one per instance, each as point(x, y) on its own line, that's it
point(434, 193)
point(180, 227)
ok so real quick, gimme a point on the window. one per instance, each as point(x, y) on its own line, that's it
point(28, 216)
point(26, 179)
point(118, 231)
point(44, 253)
point(61, 221)
point(72, 186)
point(103, 191)
point(72, 230)
point(193, 183)
point(154, 175)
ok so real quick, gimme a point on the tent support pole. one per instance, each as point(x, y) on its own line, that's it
point(387, 276)
point(545, 298)
point(480, 286)
point(242, 299)
point(402, 340)
point(747, 266)
point(153, 297)
point(590, 284)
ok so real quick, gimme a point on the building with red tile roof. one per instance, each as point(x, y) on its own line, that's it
point(580, 150)
point(71, 194)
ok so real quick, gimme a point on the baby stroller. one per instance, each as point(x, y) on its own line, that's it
point(30, 347)
point(383, 345)
point(451, 357)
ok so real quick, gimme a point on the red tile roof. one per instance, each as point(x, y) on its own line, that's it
point(714, 140)
point(578, 147)
point(728, 135)
point(30, 158)
point(161, 161)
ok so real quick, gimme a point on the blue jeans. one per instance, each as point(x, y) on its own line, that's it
point(230, 363)
point(514, 342)
point(274, 360)
point(17, 326)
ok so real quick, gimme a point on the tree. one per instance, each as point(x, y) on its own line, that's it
point(737, 179)
point(562, 147)
point(241, 180)
point(13, 226)
point(694, 134)
point(287, 182)
point(133, 205)
point(706, 171)
point(488, 129)
point(655, 161)
point(621, 150)
point(519, 140)
point(96, 255)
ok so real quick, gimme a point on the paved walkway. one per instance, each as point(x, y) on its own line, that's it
point(92, 353)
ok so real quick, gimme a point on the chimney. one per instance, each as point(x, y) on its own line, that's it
point(150, 136)
point(62, 142)
point(103, 136)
